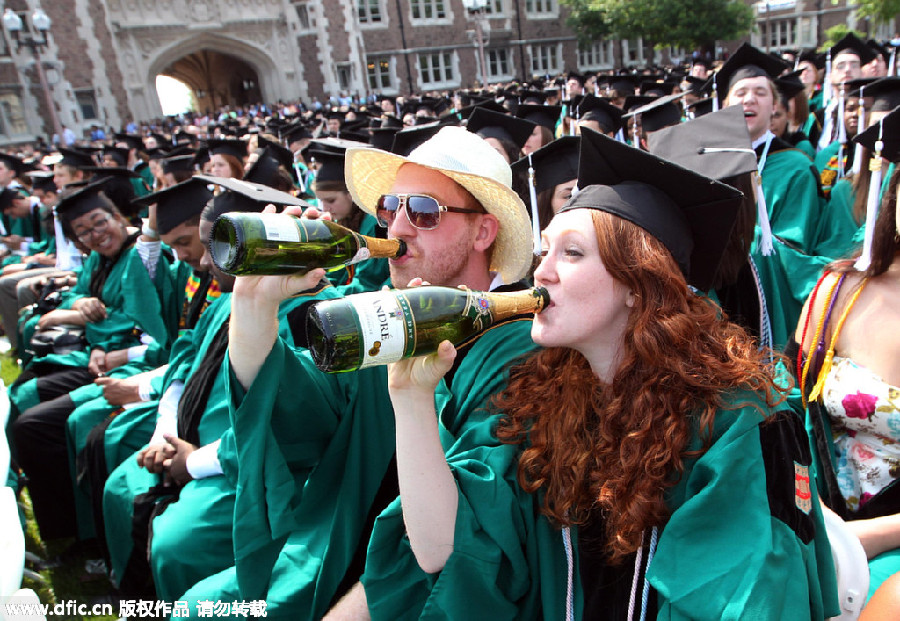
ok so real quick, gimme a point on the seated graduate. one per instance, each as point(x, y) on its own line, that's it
point(789, 181)
point(643, 464)
point(125, 292)
point(848, 338)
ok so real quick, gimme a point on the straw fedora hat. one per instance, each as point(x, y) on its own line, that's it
point(472, 163)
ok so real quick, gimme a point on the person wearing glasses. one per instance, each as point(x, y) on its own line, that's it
point(316, 451)
point(128, 298)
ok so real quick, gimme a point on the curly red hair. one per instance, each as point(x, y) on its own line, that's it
point(617, 447)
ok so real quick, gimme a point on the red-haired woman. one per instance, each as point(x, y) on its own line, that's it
point(227, 157)
point(643, 464)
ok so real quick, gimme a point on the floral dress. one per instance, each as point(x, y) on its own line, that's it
point(865, 419)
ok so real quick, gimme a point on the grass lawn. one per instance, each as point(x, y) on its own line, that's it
point(68, 580)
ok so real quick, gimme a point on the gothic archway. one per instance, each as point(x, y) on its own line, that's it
point(220, 70)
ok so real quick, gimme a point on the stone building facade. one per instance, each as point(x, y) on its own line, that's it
point(103, 56)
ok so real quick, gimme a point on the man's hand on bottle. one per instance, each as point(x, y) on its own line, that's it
point(265, 292)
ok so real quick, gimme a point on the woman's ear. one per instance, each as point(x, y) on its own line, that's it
point(630, 299)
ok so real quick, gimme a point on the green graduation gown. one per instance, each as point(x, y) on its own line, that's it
point(134, 302)
point(745, 539)
point(306, 482)
point(792, 195)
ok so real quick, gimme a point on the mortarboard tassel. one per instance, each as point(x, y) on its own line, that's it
point(715, 95)
point(766, 246)
point(826, 83)
point(892, 66)
point(535, 218)
point(873, 202)
point(860, 127)
point(842, 134)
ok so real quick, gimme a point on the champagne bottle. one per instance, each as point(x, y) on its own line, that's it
point(266, 244)
point(380, 327)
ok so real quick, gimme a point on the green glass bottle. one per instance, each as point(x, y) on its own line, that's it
point(262, 244)
point(380, 327)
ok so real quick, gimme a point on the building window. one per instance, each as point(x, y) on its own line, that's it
point(369, 11)
point(545, 59)
point(436, 69)
point(87, 104)
point(541, 8)
point(378, 69)
point(598, 56)
point(303, 14)
point(428, 9)
point(344, 75)
point(494, 7)
point(12, 117)
point(633, 51)
point(498, 62)
point(779, 33)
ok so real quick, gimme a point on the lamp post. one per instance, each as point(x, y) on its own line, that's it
point(477, 10)
point(36, 41)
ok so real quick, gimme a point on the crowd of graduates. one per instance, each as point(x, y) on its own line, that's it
point(715, 374)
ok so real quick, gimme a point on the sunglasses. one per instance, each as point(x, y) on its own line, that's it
point(422, 211)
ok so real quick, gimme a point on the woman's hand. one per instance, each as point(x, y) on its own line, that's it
point(92, 309)
point(420, 375)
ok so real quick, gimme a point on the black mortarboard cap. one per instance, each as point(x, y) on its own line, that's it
point(600, 110)
point(183, 136)
point(789, 85)
point(178, 203)
point(700, 60)
point(161, 139)
point(885, 94)
point(853, 86)
point(7, 195)
point(488, 104)
point(576, 76)
point(716, 146)
point(111, 171)
point(42, 180)
point(134, 141)
point(248, 196)
point(699, 86)
point(201, 157)
point(295, 133)
point(490, 124)
point(119, 154)
point(854, 45)
point(625, 83)
point(530, 96)
point(383, 137)
point(812, 56)
point(691, 215)
point(16, 164)
point(554, 163)
point(659, 113)
point(78, 159)
point(331, 164)
point(179, 163)
point(225, 146)
point(547, 116)
point(408, 139)
point(701, 107)
point(659, 89)
point(78, 200)
point(878, 48)
point(633, 102)
point(747, 62)
point(889, 131)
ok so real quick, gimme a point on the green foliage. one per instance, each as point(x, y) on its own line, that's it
point(836, 33)
point(688, 24)
point(879, 11)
